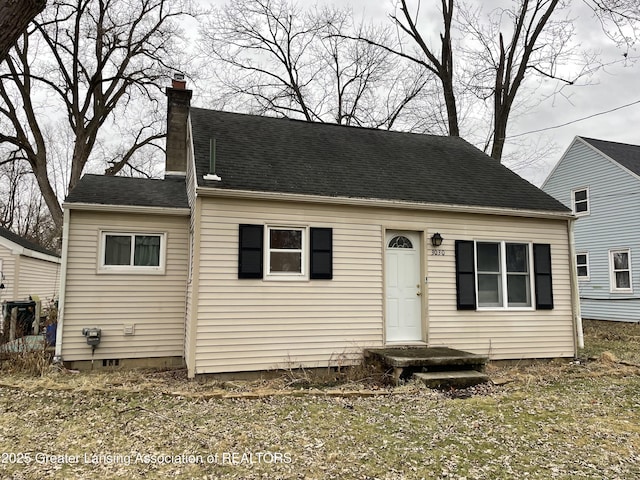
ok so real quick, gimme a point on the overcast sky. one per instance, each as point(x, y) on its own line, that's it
point(612, 88)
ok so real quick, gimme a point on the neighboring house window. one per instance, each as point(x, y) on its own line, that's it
point(502, 275)
point(582, 265)
point(287, 253)
point(132, 251)
point(580, 200)
point(620, 270)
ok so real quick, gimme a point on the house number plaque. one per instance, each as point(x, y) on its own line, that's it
point(438, 252)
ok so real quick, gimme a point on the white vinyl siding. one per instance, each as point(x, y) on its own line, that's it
point(39, 278)
point(256, 324)
point(153, 304)
point(8, 274)
point(24, 276)
point(193, 243)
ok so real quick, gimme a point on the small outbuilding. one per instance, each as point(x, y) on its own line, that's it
point(28, 270)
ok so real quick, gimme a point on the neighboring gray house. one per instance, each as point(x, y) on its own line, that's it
point(600, 181)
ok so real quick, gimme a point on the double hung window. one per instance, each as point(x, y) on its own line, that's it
point(582, 266)
point(620, 270)
point(286, 252)
point(503, 274)
point(580, 201)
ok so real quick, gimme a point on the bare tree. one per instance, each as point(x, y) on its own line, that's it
point(287, 61)
point(362, 84)
point(493, 56)
point(15, 15)
point(22, 209)
point(92, 60)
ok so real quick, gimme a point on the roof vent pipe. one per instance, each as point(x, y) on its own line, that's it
point(212, 162)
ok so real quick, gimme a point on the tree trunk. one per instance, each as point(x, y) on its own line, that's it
point(15, 15)
point(450, 103)
point(48, 194)
point(499, 136)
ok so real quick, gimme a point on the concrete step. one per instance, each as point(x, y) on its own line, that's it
point(455, 378)
point(401, 357)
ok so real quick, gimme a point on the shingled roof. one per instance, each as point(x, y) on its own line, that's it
point(626, 155)
point(23, 242)
point(138, 192)
point(290, 156)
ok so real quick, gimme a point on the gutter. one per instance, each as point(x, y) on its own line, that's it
point(369, 202)
point(95, 207)
point(17, 249)
point(575, 292)
point(63, 284)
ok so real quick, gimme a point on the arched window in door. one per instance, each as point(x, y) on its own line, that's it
point(400, 241)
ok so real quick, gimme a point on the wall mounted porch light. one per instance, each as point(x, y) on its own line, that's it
point(436, 239)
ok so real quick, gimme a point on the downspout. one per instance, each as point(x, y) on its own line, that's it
point(575, 292)
point(63, 284)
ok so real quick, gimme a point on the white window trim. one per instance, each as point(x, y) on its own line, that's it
point(573, 202)
point(287, 276)
point(588, 265)
point(132, 269)
point(503, 272)
point(612, 276)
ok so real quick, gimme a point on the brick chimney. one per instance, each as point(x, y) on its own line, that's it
point(178, 102)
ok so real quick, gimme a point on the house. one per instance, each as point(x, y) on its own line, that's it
point(600, 182)
point(27, 269)
point(275, 243)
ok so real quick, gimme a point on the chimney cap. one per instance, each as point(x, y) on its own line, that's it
point(178, 81)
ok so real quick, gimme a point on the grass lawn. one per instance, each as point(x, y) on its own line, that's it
point(579, 420)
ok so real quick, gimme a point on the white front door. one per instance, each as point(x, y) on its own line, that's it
point(403, 287)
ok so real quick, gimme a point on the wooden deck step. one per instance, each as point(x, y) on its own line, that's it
point(454, 378)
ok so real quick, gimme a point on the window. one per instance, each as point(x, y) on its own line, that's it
point(580, 201)
point(582, 265)
point(133, 252)
point(288, 253)
point(400, 241)
point(285, 251)
point(503, 274)
point(620, 270)
point(489, 275)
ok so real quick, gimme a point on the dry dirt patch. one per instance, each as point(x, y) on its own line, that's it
point(558, 420)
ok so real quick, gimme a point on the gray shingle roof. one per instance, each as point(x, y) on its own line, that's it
point(138, 192)
point(291, 156)
point(23, 242)
point(626, 155)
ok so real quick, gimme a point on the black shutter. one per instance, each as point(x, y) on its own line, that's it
point(321, 258)
point(542, 272)
point(250, 251)
point(465, 275)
